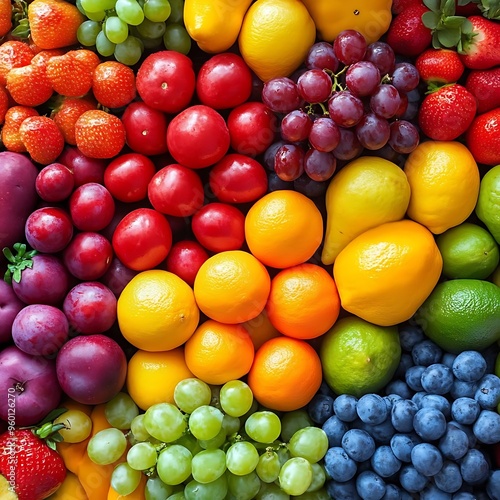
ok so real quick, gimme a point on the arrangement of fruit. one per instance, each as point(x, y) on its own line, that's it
point(250, 249)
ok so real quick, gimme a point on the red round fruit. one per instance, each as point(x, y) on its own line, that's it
point(84, 169)
point(49, 229)
point(91, 207)
point(198, 137)
point(185, 259)
point(54, 183)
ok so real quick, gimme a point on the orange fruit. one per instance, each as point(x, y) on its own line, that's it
point(385, 274)
point(304, 302)
point(157, 311)
point(283, 228)
point(219, 352)
point(285, 374)
point(260, 329)
point(232, 287)
point(152, 376)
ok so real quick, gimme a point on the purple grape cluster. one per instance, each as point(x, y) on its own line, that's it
point(428, 435)
point(350, 97)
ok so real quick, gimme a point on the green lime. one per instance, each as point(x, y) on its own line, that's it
point(359, 357)
point(488, 202)
point(468, 251)
point(462, 314)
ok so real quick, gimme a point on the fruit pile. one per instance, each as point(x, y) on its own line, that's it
point(250, 249)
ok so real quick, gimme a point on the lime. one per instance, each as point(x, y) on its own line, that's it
point(495, 277)
point(488, 203)
point(468, 251)
point(359, 357)
point(462, 314)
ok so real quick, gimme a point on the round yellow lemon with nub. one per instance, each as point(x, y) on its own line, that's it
point(386, 273)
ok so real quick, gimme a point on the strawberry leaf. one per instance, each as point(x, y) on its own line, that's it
point(448, 7)
point(18, 262)
point(449, 37)
point(433, 5)
point(454, 21)
point(431, 19)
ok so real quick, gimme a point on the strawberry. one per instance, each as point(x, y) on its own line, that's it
point(10, 131)
point(5, 17)
point(4, 104)
point(447, 112)
point(407, 34)
point(68, 112)
point(114, 84)
point(483, 137)
point(13, 54)
point(99, 134)
point(54, 23)
point(481, 48)
point(439, 66)
point(42, 138)
point(484, 85)
point(399, 5)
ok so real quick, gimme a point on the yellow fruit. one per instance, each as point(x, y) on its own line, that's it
point(385, 274)
point(444, 182)
point(157, 311)
point(370, 17)
point(214, 25)
point(365, 193)
point(260, 329)
point(275, 37)
point(70, 489)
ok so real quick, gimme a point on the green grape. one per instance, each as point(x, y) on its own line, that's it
point(130, 51)
point(96, 5)
point(87, 32)
point(190, 442)
point(208, 465)
point(271, 491)
point(96, 16)
point(268, 467)
point(292, 421)
point(115, 29)
point(149, 29)
point(283, 455)
point(310, 443)
point(243, 487)
point(165, 422)
point(157, 10)
point(236, 398)
point(252, 410)
point(152, 43)
point(120, 411)
point(124, 479)
point(138, 428)
point(103, 45)
point(318, 479)
point(321, 494)
point(295, 476)
point(142, 456)
point(263, 426)
point(231, 425)
point(107, 446)
point(156, 489)
point(78, 426)
point(177, 13)
point(192, 393)
point(205, 422)
point(78, 4)
point(174, 464)
point(216, 490)
point(129, 11)
point(177, 496)
point(216, 442)
point(177, 38)
point(242, 458)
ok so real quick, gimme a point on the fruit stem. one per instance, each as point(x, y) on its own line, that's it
point(19, 261)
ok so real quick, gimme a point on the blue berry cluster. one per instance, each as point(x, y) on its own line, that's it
point(427, 436)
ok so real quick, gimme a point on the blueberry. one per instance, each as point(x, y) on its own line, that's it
point(334, 429)
point(464, 495)
point(384, 462)
point(392, 492)
point(438, 402)
point(390, 398)
point(402, 415)
point(417, 398)
point(448, 358)
point(370, 486)
point(342, 490)
point(399, 387)
point(468, 431)
point(382, 433)
point(432, 492)
point(429, 424)
point(488, 392)
point(487, 427)
point(325, 389)
point(411, 480)
point(405, 362)
point(469, 366)
point(372, 409)
point(454, 443)
point(344, 407)
point(427, 459)
point(437, 379)
point(320, 408)
point(409, 336)
point(474, 467)
point(449, 479)
point(402, 444)
point(358, 444)
point(338, 465)
point(461, 389)
point(493, 485)
point(413, 377)
point(465, 410)
point(426, 353)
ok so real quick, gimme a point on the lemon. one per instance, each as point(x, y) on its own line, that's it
point(359, 357)
point(367, 192)
point(275, 37)
point(468, 251)
point(444, 181)
point(488, 203)
point(462, 314)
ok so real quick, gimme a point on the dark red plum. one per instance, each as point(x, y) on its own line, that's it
point(92, 207)
point(54, 183)
point(10, 305)
point(49, 229)
point(185, 259)
point(117, 276)
point(84, 169)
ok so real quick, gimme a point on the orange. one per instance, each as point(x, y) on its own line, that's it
point(157, 311)
point(232, 287)
point(260, 329)
point(219, 352)
point(385, 274)
point(152, 376)
point(70, 489)
point(286, 373)
point(304, 302)
point(283, 228)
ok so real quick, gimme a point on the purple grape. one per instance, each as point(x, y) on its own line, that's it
point(403, 105)
point(117, 276)
point(405, 77)
point(324, 134)
point(318, 165)
point(362, 78)
point(281, 95)
point(314, 85)
point(289, 162)
point(345, 109)
point(296, 125)
point(382, 55)
point(349, 146)
point(270, 153)
point(309, 187)
point(404, 136)
point(274, 183)
point(322, 56)
point(385, 101)
point(372, 131)
point(349, 46)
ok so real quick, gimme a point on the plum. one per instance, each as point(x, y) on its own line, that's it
point(10, 305)
point(117, 276)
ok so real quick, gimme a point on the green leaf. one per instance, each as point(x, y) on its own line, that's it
point(454, 21)
point(467, 28)
point(434, 5)
point(448, 7)
point(435, 41)
point(430, 20)
point(53, 415)
point(449, 38)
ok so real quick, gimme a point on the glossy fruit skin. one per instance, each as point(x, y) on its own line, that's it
point(483, 51)
point(184, 260)
point(42, 138)
point(49, 229)
point(439, 65)
point(483, 137)
point(84, 169)
point(113, 84)
point(54, 183)
point(484, 85)
point(91, 206)
point(11, 305)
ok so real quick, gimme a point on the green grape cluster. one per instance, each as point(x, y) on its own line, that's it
point(126, 28)
point(215, 442)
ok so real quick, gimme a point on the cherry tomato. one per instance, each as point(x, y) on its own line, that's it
point(49, 229)
point(185, 259)
point(91, 207)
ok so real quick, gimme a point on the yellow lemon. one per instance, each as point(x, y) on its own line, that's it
point(275, 37)
point(444, 181)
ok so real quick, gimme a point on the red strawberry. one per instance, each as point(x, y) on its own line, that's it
point(38, 470)
point(484, 85)
point(4, 104)
point(481, 49)
point(407, 34)
point(399, 5)
point(42, 138)
point(68, 112)
point(5, 17)
point(10, 131)
point(439, 66)
point(483, 137)
point(13, 54)
point(446, 113)
point(114, 84)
